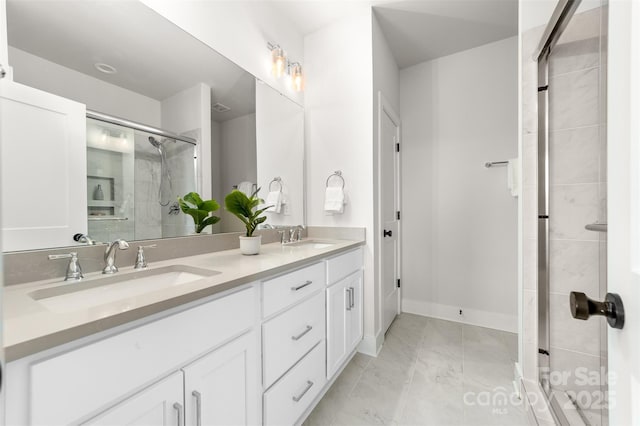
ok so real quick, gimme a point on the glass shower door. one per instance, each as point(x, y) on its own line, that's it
point(577, 217)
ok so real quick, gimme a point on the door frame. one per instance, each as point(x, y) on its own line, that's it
point(385, 107)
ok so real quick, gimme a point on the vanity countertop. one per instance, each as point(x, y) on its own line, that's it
point(29, 327)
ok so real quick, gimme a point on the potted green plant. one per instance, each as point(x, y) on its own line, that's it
point(244, 208)
point(200, 210)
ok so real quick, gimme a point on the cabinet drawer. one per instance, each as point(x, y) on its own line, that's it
point(285, 290)
point(290, 335)
point(75, 384)
point(340, 266)
point(287, 400)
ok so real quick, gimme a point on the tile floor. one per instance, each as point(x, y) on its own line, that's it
point(429, 372)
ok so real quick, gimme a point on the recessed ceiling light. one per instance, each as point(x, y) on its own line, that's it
point(105, 68)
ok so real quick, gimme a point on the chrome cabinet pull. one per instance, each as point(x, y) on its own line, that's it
point(198, 398)
point(348, 295)
point(353, 297)
point(306, 283)
point(306, 389)
point(180, 411)
point(308, 329)
point(3, 73)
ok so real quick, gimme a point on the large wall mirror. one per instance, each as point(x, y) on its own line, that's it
point(191, 119)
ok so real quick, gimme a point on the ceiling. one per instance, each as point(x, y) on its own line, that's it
point(417, 30)
point(153, 56)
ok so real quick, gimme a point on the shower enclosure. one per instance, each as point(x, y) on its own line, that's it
point(134, 175)
point(571, 211)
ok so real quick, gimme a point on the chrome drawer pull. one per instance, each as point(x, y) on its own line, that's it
point(308, 329)
point(348, 295)
point(198, 398)
point(302, 285)
point(353, 297)
point(299, 397)
point(180, 411)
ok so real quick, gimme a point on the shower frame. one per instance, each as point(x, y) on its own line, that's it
point(560, 18)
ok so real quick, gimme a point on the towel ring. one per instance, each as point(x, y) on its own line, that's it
point(338, 174)
point(277, 180)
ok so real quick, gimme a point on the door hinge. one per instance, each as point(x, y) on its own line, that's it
point(398, 147)
point(398, 215)
point(398, 283)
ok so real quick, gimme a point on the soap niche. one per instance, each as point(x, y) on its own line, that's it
point(100, 196)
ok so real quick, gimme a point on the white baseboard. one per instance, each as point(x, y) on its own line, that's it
point(371, 345)
point(486, 319)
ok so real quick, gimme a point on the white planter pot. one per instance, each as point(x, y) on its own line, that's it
point(250, 245)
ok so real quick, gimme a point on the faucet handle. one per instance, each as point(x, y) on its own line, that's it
point(281, 232)
point(74, 270)
point(141, 261)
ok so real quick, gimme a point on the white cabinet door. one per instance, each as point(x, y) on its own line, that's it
point(337, 303)
point(43, 168)
point(354, 315)
point(157, 405)
point(222, 388)
point(344, 320)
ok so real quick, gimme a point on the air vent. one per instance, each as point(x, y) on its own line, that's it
point(218, 107)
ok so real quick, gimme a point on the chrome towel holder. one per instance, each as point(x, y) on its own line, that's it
point(277, 180)
point(338, 174)
point(490, 164)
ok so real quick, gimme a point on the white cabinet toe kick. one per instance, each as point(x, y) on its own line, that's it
point(262, 353)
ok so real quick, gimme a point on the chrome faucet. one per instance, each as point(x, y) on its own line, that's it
point(141, 260)
point(74, 271)
point(110, 256)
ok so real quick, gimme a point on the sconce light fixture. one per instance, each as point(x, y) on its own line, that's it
point(278, 60)
point(280, 65)
point(296, 77)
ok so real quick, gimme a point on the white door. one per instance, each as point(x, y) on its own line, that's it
point(337, 303)
point(389, 184)
point(623, 190)
point(222, 387)
point(157, 405)
point(44, 172)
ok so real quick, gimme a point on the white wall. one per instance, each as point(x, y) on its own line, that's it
point(189, 113)
point(240, 31)
point(98, 95)
point(458, 112)
point(338, 134)
point(280, 148)
point(238, 158)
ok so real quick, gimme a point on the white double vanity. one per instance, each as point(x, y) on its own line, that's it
point(257, 342)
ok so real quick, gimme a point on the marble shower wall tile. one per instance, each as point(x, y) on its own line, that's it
point(574, 267)
point(530, 212)
point(579, 46)
point(530, 264)
point(574, 100)
point(571, 207)
point(574, 156)
point(529, 159)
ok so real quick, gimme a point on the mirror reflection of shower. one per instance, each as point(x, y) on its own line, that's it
point(165, 189)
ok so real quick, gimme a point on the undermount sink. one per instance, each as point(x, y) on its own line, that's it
point(316, 244)
point(83, 294)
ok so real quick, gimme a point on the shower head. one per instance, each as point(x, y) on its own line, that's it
point(153, 141)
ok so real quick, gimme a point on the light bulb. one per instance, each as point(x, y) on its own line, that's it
point(278, 61)
point(297, 81)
